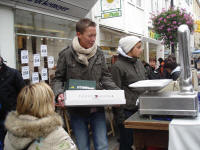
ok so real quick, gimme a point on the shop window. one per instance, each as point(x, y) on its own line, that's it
point(33, 30)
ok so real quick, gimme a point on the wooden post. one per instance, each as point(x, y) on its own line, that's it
point(22, 45)
point(44, 41)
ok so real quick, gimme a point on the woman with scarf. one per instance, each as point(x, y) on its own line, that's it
point(128, 69)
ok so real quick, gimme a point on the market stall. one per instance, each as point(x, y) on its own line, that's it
point(161, 106)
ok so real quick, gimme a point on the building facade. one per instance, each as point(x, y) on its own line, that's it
point(196, 10)
point(33, 32)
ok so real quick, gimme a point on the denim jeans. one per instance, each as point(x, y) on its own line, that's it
point(97, 123)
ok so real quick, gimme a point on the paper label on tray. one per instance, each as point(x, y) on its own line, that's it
point(94, 97)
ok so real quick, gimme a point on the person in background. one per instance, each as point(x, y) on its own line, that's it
point(147, 67)
point(126, 70)
point(152, 63)
point(11, 83)
point(35, 125)
point(150, 68)
point(161, 68)
point(172, 68)
point(84, 60)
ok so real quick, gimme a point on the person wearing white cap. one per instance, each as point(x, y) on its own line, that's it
point(127, 69)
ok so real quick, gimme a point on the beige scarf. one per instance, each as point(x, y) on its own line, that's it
point(83, 54)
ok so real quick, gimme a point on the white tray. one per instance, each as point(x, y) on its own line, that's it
point(94, 97)
point(150, 85)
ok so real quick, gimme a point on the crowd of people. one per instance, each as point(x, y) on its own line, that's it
point(32, 122)
point(167, 69)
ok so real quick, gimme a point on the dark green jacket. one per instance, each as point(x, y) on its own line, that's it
point(70, 67)
point(124, 72)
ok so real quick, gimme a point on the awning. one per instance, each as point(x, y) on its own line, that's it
point(196, 51)
point(75, 9)
point(150, 40)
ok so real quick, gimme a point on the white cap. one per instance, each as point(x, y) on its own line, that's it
point(128, 42)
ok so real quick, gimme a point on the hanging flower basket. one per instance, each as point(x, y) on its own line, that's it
point(167, 22)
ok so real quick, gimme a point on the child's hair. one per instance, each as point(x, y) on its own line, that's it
point(36, 100)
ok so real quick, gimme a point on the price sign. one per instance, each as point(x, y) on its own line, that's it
point(25, 72)
point(44, 74)
point(43, 50)
point(24, 56)
point(35, 77)
point(36, 60)
point(50, 62)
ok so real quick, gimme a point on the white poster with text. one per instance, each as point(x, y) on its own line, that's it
point(25, 72)
point(35, 77)
point(44, 74)
point(50, 62)
point(24, 57)
point(36, 60)
point(43, 50)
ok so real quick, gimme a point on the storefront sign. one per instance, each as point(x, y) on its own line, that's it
point(75, 9)
point(154, 35)
point(25, 72)
point(198, 26)
point(111, 14)
point(50, 62)
point(43, 50)
point(48, 3)
point(36, 60)
point(110, 8)
point(35, 77)
point(24, 57)
point(44, 74)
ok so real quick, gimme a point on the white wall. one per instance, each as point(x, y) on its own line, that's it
point(134, 18)
point(7, 36)
point(131, 20)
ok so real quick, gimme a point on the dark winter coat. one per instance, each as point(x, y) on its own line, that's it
point(70, 67)
point(151, 72)
point(11, 83)
point(175, 73)
point(126, 71)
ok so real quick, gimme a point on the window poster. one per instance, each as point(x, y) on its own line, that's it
point(25, 72)
point(35, 77)
point(50, 62)
point(44, 74)
point(24, 57)
point(43, 50)
point(36, 60)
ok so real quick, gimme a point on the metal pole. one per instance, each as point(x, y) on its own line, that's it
point(172, 3)
point(172, 45)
